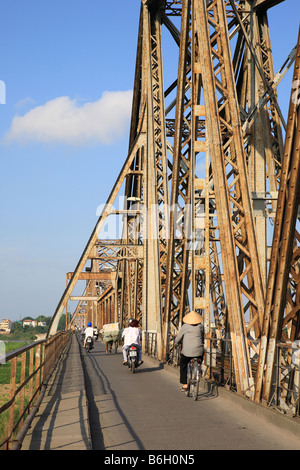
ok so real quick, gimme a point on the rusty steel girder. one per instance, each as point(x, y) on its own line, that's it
point(282, 309)
point(206, 164)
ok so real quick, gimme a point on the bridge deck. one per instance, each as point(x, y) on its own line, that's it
point(146, 410)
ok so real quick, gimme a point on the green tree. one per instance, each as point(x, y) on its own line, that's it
point(17, 327)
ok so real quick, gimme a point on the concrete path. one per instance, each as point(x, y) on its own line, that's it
point(62, 420)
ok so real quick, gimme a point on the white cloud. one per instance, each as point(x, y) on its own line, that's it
point(64, 120)
point(24, 103)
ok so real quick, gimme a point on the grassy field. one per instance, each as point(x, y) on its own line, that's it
point(5, 368)
point(5, 386)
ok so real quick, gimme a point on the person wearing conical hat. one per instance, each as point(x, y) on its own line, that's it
point(191, 337)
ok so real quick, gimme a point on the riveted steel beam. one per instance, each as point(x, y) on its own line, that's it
point(283, 281)
point(213, 139)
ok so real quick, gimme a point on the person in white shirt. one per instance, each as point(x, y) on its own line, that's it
point(89, 331)
point(132, 335)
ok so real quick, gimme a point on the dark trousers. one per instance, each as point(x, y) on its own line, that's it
point(184, 360)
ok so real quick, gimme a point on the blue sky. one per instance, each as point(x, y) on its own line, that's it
point(75, 59)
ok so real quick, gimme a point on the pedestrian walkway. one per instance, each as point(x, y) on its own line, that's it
point(62, 420)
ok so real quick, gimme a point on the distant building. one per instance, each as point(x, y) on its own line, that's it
point(6, 325)
point(29, 323)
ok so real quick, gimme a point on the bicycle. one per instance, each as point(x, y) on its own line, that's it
point(193, 377)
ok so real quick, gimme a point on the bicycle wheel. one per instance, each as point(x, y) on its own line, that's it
point(194, 388)
point(189, 380)
point(196, 384)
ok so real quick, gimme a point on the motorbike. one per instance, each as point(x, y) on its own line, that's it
point(96, 334)
point(89, 343)
point(132, 357)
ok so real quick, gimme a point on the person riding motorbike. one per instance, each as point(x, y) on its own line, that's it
point(96, 333)
point(89, 331)
point(131, 335)
point(82, 334)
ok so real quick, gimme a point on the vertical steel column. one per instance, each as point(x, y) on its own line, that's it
point(177, 260)
point(285, 243)
point(156, 183)
point(153, 193)
point(236, 225)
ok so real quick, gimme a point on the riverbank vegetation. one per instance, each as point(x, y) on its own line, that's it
point(31, 333)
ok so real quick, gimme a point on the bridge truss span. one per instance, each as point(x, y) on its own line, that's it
point(211, 196)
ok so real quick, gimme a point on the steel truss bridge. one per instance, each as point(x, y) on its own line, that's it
point(211, 186)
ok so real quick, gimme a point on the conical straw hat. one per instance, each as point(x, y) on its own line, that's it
point(192, 318)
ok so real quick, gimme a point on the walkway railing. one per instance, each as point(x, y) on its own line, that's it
point(150, 339)
point(286, 382)
point(24, 374)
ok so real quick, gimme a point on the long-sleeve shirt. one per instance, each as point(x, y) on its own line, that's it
point(192, 339)
point(131, 335)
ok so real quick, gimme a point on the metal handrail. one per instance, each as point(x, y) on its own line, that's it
point(27, 380)
point(286, 392)
point(150, 343)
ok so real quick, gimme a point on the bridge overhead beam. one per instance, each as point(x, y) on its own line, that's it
point(89, 276)
point(266, 4)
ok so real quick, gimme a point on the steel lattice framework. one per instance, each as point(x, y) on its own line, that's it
point(209, 174)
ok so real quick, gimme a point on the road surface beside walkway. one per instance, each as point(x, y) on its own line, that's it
point(146, 410)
